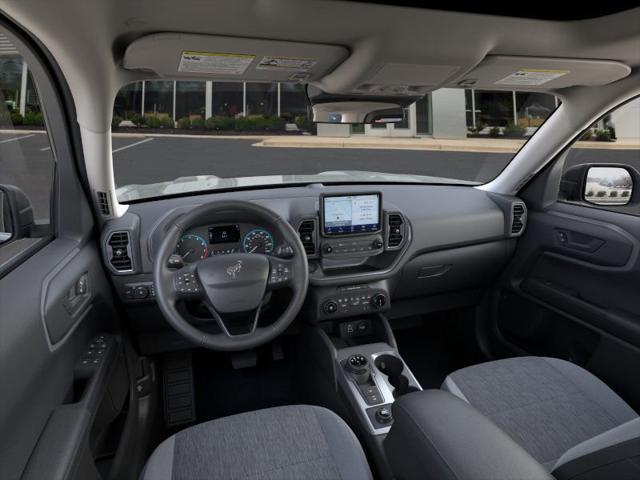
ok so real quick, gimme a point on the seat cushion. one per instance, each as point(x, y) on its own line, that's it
point(546, 405)
point(281, 443)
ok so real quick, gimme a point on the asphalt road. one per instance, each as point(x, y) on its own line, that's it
point(26, 161)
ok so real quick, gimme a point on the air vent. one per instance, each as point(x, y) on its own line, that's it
point(518, 218)
point(307, 232)
point(103, 203)
point(119, 256)
point(395, 229)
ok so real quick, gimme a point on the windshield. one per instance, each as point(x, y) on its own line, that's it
point(173, 137)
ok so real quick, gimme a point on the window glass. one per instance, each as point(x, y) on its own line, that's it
point(190, 99)
point(494, 109)
point(158, 98)
point(227, 99)
point(128, 103)
point(262, 99)
point(26, 160)
point(293, 102)
point(610, 143)
point(388, 153)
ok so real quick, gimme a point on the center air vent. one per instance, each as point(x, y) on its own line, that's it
point(395, 230)
point(518, 218)
point(118, 252)
point(307, 232)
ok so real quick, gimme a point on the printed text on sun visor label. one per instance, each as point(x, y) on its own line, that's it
point(532, 77)
point(296, 64)
point(214, 62)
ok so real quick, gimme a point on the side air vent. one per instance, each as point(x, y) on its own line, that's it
point(103, 203)
point(395, 231)
point(518, 218)
point(307, 232)
point(119, 252)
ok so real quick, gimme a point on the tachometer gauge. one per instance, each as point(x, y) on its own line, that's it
point(258, 241)
point(191, 248)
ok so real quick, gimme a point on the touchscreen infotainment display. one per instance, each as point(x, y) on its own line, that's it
point(351, 214)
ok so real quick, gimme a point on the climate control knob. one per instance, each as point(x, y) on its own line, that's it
point(330, 307)
point(379, 300)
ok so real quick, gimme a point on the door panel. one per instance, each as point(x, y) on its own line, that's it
point(59, 394)
point(571, 291)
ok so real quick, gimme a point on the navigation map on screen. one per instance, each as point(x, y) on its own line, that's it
point(351, 214)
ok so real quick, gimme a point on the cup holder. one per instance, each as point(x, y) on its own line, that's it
point(393, 367)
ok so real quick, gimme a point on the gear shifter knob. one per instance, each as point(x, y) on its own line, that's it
point(358, 366)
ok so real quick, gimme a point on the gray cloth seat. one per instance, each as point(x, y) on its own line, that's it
point(548, 406)
point(292, 442)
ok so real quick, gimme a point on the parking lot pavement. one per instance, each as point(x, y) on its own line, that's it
point(27, 161)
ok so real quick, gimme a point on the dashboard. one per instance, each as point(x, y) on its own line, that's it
point(393, 249)
point(222, 239)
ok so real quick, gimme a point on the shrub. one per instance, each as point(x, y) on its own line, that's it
point(244, 124)
point(219, 123)
point(603, 135)
point(304, 123)
point(115, 122)
point(601, 193)
point(589, 193)
point(167, 122)
point(39, 119)
point(586, 136)
point(276, 123)
point(494, 132)
point(197, 123)
point(151, 121)
point(625, 193)
point(613, 193)
point(16, 118)
point(184, 122)
point(5, 118)
point(514, 130)
point(133, 117)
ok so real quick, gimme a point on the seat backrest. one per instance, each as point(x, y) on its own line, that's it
point(612, 454)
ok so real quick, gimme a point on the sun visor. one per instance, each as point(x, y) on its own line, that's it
point(535, 73)
point(174, 55)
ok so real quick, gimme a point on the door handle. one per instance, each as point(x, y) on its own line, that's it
point(578, 241)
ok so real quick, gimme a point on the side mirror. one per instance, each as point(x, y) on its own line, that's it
point(16, 214)
point(604, 185)
point(608, 186)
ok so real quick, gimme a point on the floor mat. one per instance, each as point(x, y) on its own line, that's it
point(221, 390)
point(438, 345)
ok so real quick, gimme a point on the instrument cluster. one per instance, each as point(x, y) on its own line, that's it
point(202, 242)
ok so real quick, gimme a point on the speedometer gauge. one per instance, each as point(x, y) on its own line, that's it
point(258, 241)
point(191, 248)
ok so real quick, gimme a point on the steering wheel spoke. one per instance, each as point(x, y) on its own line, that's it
point(225, 325)
point(280, 273)
point(186, 285)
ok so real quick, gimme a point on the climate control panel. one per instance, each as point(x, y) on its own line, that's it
point(356, 300)
point(366, 246)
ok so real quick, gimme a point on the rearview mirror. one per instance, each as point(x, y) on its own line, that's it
point(608, 186)
point(355, 108)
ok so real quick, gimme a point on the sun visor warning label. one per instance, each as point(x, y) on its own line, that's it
point(293, 64)
point(531, 77)
point(215, 62)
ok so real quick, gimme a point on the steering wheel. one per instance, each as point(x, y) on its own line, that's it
point(230, 284)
